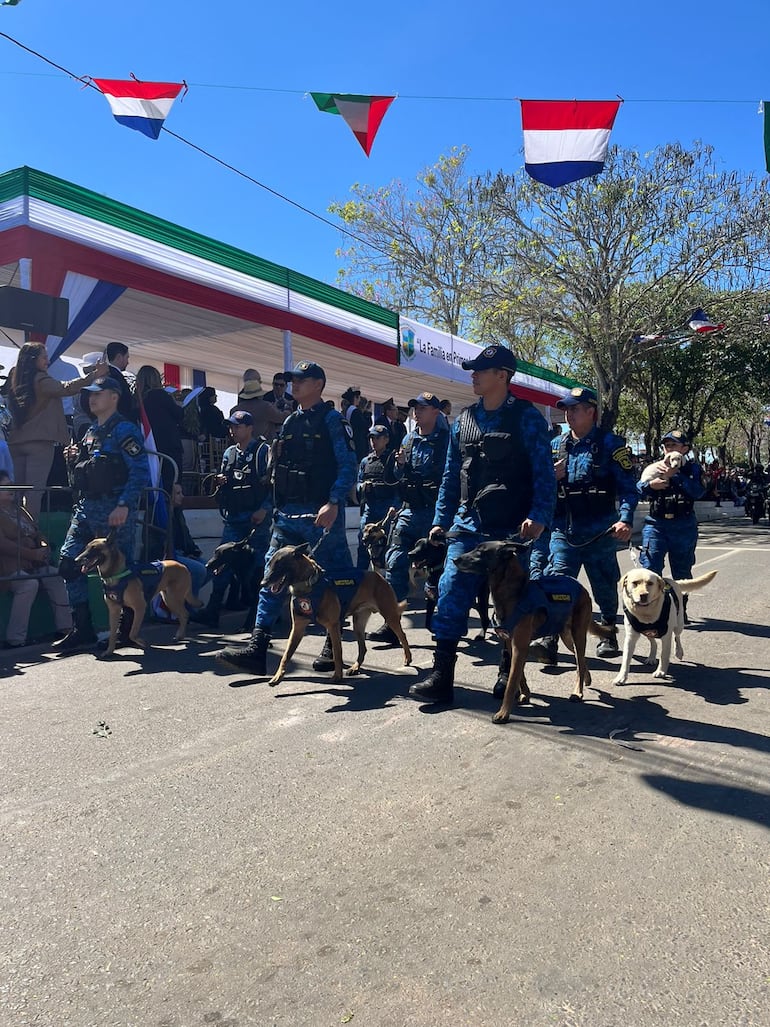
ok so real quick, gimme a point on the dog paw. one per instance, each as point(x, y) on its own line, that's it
point(352, 671)
point(620, 679)
point(501, 717)
point(662, 675)
point(574, 697)
point(273, 682)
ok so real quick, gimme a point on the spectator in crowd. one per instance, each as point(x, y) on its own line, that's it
point(446, 410)
point(81, 418)
point(117, 356)
point(357, 421)
point(25, 555)
point(266, 419)
point(212, 420)
point(245, 503)
point(37, 418)
point(314, 470)
point(110, 471)
point(165, 416)
point(396, 427)
point(280, 396)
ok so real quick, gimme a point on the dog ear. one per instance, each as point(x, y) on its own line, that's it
point(112, 535)
point(302, 549)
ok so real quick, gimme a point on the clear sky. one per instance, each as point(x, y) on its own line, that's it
point(658, 52)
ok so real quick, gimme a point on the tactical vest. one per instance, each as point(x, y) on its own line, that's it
point(418, 487)
point(99, 475)
point(668, 504)
point(245, 491)
point(304, 464)
point(595, 494)
point(374, 485)
point(496, 470)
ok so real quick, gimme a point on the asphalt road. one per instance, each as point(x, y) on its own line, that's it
point(222, 853)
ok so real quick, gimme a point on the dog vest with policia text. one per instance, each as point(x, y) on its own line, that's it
point(345, 585)
point(660, 627)
point(554, 595)
point(149, 574)
point(304, 464)
point(496, 470)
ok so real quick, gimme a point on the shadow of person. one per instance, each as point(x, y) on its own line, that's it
point(714, 797)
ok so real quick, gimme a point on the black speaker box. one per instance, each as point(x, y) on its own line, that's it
point(33, 311)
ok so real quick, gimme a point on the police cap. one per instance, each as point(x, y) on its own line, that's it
point(240, 417)
point(578, 395)
point(379, 431)
point(305, 369)
point(425, 399)
point(677, 435)
point(497, 357)
point(104, 385)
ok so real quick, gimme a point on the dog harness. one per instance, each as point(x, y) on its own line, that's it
point(554, 595)
point(149, 574)
point(346, 586)
point(660, 627)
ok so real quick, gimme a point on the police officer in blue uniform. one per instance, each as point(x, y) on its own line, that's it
point(419, 470)
point(377, 490)
point(498, 482)
point(671, 527)
point(313, 470)
point(595, 476)
point(245, 502)
point(110, 472)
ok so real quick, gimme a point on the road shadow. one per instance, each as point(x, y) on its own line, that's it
point(714, 797)
point(733, 626)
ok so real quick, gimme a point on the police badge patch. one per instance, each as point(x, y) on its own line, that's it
point(489, 351)
point(131, 446)
point(622, 456)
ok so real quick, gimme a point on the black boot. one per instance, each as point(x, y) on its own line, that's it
point(125, 624)
point(608, 646)
point(438, 687)
point(545, 651)
point(251, 658)
point(209, 614)
point(325, 659)
point(81, 637)
point(383, 634)
point(503, 671)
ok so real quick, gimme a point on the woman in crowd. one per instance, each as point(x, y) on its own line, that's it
point(38, 424)
point(24, 553)
point(165, 416)
point(211, 417)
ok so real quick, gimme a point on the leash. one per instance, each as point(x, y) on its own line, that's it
point(306, 517)
point(590, 541)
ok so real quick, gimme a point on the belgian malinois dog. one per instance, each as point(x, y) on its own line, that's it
point(508, 583)
point(292, 568)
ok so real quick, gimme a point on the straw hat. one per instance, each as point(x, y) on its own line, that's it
point(252, 389)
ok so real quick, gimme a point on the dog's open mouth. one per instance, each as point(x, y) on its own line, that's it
point(277, 585)
point(87, 566)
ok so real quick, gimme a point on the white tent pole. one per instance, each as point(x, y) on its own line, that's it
point(288, 359)
point(25, 272)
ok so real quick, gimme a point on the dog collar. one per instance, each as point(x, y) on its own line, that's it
point(118, 577)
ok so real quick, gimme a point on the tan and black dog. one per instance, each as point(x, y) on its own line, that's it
point(123, 588)
point(292, 568)
point(508, 586)
point(375, 539)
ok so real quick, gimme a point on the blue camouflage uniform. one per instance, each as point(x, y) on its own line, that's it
point(671, 527)
point(329, 464)
point(377, 493)
point(239, 499)
point(599, 489)
point(117, 448)
point(457, 591)
point(419, 480)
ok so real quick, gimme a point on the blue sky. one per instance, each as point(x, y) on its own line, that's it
point(657, 52)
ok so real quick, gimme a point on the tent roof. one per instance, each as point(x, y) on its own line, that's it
point(194, 301)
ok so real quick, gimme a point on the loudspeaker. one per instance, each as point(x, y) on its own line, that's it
point(33, 311)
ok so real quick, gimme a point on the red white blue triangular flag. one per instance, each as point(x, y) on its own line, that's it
point(566, 140)
point(700, 322)
point(143, 106)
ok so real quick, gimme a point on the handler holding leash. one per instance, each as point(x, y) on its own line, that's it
point(419, 470)
point(313, 469)
point(671, 528)
point(498, 481)
point(593, 471)
point(110, 472)
point(377, 491)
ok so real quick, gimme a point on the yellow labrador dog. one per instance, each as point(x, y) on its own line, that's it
point(653, 606)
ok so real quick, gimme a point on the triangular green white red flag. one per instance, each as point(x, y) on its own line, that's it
point(363, 114)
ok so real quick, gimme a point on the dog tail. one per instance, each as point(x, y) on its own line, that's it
point(691, 584)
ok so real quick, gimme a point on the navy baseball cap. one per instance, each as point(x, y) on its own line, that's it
point(425, 399)
point(104, 385)
point(378, 431)
point(240, 417)
point(497, 357)
point(305, 369)
point(677, 435)
point(578, 395)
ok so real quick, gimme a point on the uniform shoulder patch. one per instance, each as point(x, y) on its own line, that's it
point(622, 457)
point(131, 446)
